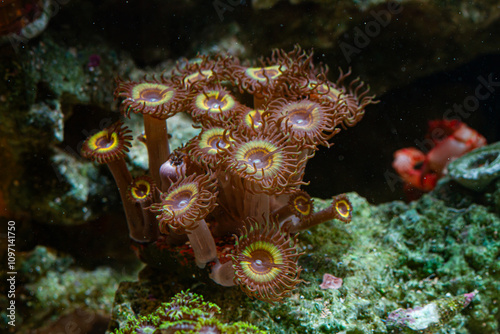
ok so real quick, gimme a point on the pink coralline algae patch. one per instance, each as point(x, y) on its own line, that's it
point(331, 282)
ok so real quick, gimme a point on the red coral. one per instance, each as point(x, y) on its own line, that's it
point(448, 140)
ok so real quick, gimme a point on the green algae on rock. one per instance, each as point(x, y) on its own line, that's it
point(186, 312)
point(390, 256)
point(50, 289)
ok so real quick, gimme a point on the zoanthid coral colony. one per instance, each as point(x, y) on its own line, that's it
point(186, 312)
point(237, 184)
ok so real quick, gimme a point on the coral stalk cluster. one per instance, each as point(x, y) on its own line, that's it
point(242, 175)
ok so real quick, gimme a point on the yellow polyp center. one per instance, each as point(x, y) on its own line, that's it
point(261, 261)
point(181, 199)
point(304, 116)
point(263, 74)
point(213, 141)
point(152, 94)
point(197, 76)
point(214, 101)
point(141, 189)
point(253, 119)
point(217, 143)
point(301, 118)
point(260, 157)
point(322, 89)
point(333, 95)
point(343, 208)
point(302, 205)
point(103, 142)
point(328, 92)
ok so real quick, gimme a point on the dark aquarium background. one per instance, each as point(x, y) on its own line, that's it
point(409, 261)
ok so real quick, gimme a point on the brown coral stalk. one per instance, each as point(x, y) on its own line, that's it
point(132, 210)
point(157, 142)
